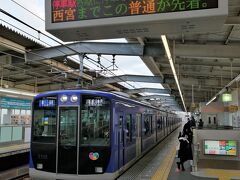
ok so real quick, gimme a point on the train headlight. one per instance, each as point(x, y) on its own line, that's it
point(74, 98)
point(63, 98)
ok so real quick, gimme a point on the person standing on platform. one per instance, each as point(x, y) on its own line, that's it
point(184, 152)
point(200, 124)
point(188, 134)
point(193, 122)
point(187, 125)
point(188, 131)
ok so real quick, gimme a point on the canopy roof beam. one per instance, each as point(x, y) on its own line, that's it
point(149, 90)
point(127, 49)
point(124, 78)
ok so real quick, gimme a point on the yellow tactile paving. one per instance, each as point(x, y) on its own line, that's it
point(165, 167)
point(223, 174)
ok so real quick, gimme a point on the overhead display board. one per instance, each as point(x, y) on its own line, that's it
point(130, 18)
point(77, 10)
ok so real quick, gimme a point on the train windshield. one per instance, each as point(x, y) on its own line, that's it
point(44, 120)
point(95, 121)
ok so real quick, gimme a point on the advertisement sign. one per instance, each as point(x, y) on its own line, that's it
point(220, 147)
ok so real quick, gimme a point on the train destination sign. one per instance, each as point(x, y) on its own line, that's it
point(73, 20)
point(77, 10)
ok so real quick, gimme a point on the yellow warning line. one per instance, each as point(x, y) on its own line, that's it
point(164, 169)
point(223, 174)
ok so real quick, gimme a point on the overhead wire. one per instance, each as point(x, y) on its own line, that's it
point(6, 13)
point(20, 57)
point(92, 61)
point(59, 42)
point(27, 10)
point(44, 21)
point(30, 51)
point(215, 33)
point(24, 70)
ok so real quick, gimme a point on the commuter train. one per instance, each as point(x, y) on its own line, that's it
point(86, 134)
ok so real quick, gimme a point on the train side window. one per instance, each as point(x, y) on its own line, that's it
point(159, 123)
point(120, 128)
point(147, 125)
point(129, 128)
point(151, 124)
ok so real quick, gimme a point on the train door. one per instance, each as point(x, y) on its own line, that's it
point(120, 141)
point(67, 140)
point(139, 132)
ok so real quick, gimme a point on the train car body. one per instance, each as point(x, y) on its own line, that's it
point(83, 134)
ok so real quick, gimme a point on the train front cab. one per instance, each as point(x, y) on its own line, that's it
point(71, 137)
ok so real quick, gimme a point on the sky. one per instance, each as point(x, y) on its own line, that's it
point(126, 64)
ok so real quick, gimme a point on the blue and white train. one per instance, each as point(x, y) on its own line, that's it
point(85, 134)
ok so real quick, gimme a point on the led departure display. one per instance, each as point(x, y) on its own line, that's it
point(77, 10)
point(95, 102)
point(47, 103)
point(222, 147)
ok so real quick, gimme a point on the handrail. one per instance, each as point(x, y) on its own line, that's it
point(15, 125)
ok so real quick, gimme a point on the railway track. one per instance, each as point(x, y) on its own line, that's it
point(18, 173)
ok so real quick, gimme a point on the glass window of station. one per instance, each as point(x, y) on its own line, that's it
point(15, 111)
point(15, 120)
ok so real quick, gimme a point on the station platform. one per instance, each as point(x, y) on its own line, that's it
point(8, 150)
point(160, 164)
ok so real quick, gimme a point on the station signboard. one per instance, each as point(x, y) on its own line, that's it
point(98, 19)
point(12, 103)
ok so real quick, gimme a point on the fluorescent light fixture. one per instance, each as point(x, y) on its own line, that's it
point(211, 100)
point(168, 52)
point(227, 97)
point(237, 78)
point(17, 92)
point(167, 49)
